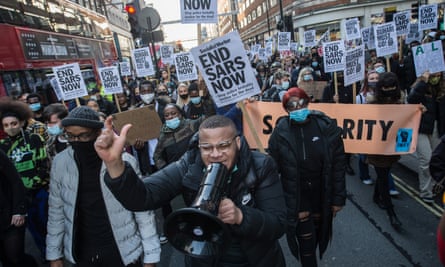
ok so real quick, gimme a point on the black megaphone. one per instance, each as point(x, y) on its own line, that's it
point(197, 231)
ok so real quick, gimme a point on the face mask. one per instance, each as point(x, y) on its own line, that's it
point(314, 64)
point(307, 77)
point(173, 123)
point(35, 106)
point(184, 96)
point(442, 37)
point(85, 149)
point(93, 97)
point(389, 93)
point(285, 85)
point(147, 98)
point(372, 84)
point(13, 131)
point(162, 93)
point(434, 80)
point(299, 115)
point(380, 69)
point(195, 100)
point(55, 130)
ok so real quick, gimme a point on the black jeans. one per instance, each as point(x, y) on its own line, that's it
point(12, 248)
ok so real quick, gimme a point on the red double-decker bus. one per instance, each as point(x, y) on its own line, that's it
point(28, 55)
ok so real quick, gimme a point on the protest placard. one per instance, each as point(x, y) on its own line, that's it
point(385, 39)
point(145, 122)
point(414, 34)
point(355, 65)
point(142, 62)
point(309, 38)
point(368, 37)
point(70, 81)
point(111, 80)
point(262, 54)
point(366, 129)
point(294, 47)
point(283, 41)
point(125, 68)
point(334, 56)
point(428, 57)
point(185, 67)
point(56, 88)
point(167, 54)
point(402, 21)
point(199, 11)
point(226, 70)
point(428, 16)
point(324, 38)
point(352, 29)
point(269, 49)
point(313, 89)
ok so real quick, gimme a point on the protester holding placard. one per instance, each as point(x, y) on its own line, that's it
point(198, 106)
point(308, 148)
point(429, 90)
point(387, 92)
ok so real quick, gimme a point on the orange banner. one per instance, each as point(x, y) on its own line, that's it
point(367, 129)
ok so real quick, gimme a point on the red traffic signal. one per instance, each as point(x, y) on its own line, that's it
point(131, 10)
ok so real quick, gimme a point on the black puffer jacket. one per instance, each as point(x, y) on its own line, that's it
point(283, 147)
point(264, 215)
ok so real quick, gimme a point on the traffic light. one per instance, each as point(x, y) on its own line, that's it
point(415, 11)
point(135, 29)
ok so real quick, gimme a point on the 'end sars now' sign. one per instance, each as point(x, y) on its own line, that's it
point(226, 70)
point(70, 81)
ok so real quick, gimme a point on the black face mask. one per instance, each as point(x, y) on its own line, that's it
point(84, 150)
point(184, 96)
point(389, 93)
point(162, 93)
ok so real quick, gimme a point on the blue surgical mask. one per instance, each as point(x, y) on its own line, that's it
point(442, 37)
point(55, 130)
point(35, 106)
point(380, 69)
point(299, 115)
point(314, 64)
point(285, 85)
point(307, 77)
point(173, 123)
point(195, 100)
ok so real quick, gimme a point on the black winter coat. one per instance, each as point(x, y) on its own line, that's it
point(283, 148)
point(12, 192)
point(264, 216)
point(427, 95)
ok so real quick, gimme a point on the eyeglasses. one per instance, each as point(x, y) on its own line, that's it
point(293, 105)
point(83, 137)
point(221, 147)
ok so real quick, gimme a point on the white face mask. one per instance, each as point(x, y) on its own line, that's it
point(147, 98)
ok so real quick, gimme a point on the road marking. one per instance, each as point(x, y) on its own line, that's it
point(434, 208)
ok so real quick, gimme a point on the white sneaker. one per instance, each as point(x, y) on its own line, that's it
point(394, 192)
point(368, 181)
point(163, 239)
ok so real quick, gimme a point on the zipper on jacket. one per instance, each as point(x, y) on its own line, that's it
point(302, 142)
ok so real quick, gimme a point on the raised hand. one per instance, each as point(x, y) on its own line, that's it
point(109, 146)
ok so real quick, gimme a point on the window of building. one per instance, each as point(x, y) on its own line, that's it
point(249, 19)
point(273, 2)
point(254, 15)
point(259, 11)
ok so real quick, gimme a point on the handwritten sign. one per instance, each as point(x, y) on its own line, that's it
point(428, 57)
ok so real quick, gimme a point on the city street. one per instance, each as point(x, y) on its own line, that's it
point(362, 233)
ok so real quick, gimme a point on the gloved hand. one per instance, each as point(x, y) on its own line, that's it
point(291, 237)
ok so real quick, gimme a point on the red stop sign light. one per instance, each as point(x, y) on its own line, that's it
point(131, 10)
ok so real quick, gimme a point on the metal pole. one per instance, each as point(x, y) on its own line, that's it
point(153, 48)
point(267, 16)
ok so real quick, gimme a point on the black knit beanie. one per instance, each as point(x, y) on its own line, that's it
point(83, 116)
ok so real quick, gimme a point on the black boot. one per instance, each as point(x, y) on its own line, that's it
point(395, 222)
point(379, 202)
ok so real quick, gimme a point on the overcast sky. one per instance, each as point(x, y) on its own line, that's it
point(169, 10)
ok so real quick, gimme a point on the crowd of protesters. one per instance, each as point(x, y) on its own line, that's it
point(78, 210)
